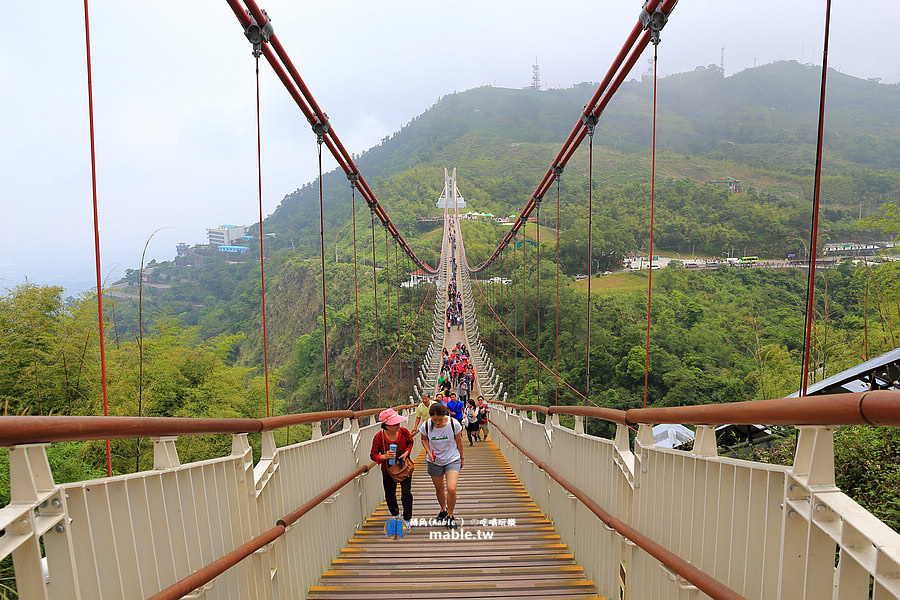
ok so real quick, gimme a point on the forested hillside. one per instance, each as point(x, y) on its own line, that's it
point(719, 336)
point(757, 126)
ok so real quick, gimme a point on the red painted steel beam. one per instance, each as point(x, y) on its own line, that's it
point(297, 88)
point(594, 106)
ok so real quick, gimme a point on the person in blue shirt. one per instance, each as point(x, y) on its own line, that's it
point(456, 406)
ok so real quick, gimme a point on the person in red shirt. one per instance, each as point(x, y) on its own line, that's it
point(392, 433)
point(458, 369)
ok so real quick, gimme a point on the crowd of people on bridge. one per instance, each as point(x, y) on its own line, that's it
point(454, 311)
point(439, 423)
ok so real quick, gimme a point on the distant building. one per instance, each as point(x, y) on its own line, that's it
point(182, 249)
point(418, 276)
point(851, 249)
point(224, 235)
point(477, 215)
point(459, 202)
point(733, 185)
point(233, 249)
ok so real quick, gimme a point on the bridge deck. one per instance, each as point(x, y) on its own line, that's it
point(526, 559)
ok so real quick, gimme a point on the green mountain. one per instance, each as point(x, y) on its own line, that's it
point(757, 126)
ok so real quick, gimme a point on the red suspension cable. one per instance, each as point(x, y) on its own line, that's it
point(557, 289)
point(387, 265)
point(590, 257)
point(538, 341)
point(407, 277)
point(652, 197)
point(814, 230)
point(385, 365)
point(524, 326)
point(286, 71)
point(400, 343)
point(375, 297)
point(516, 307)
point(87, 41)
point(521, 344)
point(262, 269)
point(324, 303)
point(356, 292)
point(506, 304)
point(618, 72)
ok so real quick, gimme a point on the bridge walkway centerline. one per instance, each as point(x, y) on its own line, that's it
point(512, 550)
point(506, 547)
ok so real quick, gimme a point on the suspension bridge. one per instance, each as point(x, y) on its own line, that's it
point(548, 510)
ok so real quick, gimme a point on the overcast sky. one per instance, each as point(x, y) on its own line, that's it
point(174, 98)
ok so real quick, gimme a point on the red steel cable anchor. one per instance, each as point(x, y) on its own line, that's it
point(258, 35)
point(654, 21)
point(320, 128)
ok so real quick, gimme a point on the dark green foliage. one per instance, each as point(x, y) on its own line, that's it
point(867, 468)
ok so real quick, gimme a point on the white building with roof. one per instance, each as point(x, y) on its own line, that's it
point(224, 235)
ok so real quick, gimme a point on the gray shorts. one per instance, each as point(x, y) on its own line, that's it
point(439, 470)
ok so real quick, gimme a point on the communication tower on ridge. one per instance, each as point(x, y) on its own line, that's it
point(648, 74)
point(535, 75)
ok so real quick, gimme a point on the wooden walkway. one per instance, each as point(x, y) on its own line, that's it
point(524, 560)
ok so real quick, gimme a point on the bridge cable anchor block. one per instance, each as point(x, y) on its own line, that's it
point(258, 35)
point(320, 128)
point(654, 22)
point(590, 121)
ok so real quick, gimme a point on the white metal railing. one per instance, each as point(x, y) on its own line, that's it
point(765, 531)
point(132, 535)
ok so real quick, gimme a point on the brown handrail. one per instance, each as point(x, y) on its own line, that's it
point(38, 430)
point(880, 407)
point(705, 583)
point(206, 574)
point(299, 419)
point(609, 414)
point(865, 408)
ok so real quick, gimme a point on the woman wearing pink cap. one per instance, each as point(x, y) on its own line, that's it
point(392, 433)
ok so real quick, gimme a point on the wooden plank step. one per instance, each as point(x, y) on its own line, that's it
point(524, 560)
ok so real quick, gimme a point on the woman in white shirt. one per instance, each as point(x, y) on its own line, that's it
point(442, 438)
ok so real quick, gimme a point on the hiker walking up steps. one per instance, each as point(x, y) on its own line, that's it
point(393, 443)
point(442, 438)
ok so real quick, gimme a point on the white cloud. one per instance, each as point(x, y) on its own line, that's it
point(175, 97)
